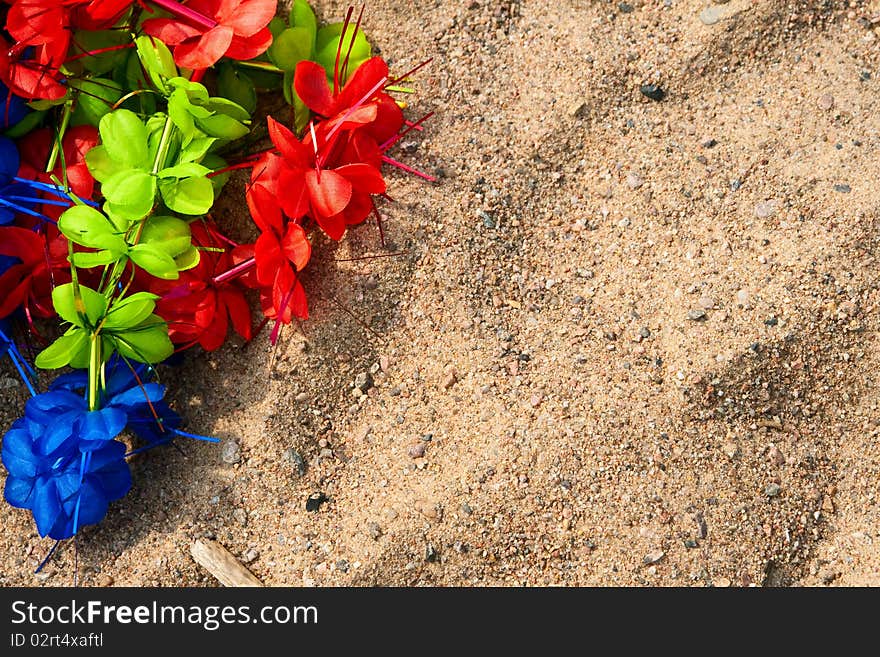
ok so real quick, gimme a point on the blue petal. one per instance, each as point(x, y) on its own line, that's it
point(97, 427)
point(9, 160)
point(151, 392)
point(92, 504)
point(19, 492)
point(17, 454)
point(47, 506)
point(59, 435)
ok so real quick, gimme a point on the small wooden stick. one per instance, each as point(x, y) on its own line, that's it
point(221, 563)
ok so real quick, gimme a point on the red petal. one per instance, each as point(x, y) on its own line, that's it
point(367, 76)
point(21, 243)
point(334, 226)
point(251, 16)
point(358, 210)
point(239, 312)
point(363, 178)
point(295, 198)
point(264, 209)
point(267, 252)
point(296, 247)
point(205, 51)
point(328, 195)
point(293, 151)
point(389, 119)
point(310, 83)
point(169, 31)
point(244, 48)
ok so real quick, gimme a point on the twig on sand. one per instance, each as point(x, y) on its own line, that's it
point(221, 563)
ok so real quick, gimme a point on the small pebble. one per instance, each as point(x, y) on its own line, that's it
point(826, 102)
point(653, 557)
point(363, 381)
point(696, 315)
point(842, 188)
point(772, 490)
point(230, 452)
point(634, 180)
point(297, 461)
point(653, 91)
point(315, 500)
point(742, 297)
point(416, 450)
point(765, 209)
point(776, 457)
point(250, 556)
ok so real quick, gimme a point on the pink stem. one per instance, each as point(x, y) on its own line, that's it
point(408, 169)
point(182, 11)
point(238, 270)
point(232, 167)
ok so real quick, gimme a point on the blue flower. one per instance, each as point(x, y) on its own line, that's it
point(12, 108)
point(64, 463)
point(129, 389)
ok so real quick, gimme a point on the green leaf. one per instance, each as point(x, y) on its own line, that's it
point(134, 190)
point(188, 259)
point(237, 87)
point(178, 110)
point(327, 43)
point(291, 47)
point(184, 170)
point(169, 234)
point(193, 196)
point(154, 261)
point(88, 227)
point(229, 108)
point(147, 343)
point(130, 311)
point(96, 98)
point(216, 163)
point(28, 123)
point(220, 125)
point(196, 150)
point(157, 60)
point(89, 259)
point(100, 165)
point(92, 40)
point(125, 138)
point(63, 350)
point(91, 306)
point(301, 15)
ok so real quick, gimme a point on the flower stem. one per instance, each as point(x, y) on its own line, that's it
point(62, 129)
point(180, 10)
point(162, 151)
point(95, 361)
point(236, 271)
point(260, 66)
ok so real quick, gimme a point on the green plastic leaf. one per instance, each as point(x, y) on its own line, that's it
point(91, 306)
point(302, 15)
point(63, 350)
point(125, 138)
point(291, 47)
point(26, 125)
point(229, 108)
point(184, 170)
point(89, 259)
point(188, 259)
point(130, 311)
point(237, 86)
point(134, 190)
point(327, 44)
point(96, 98)
point(147, 343)
point(168, 234)
point(222, 126)
point(90, 41)
point(154, 261)
point(178, 110)
point(100, 165)
point(193, 196)
point(196, 150)
point(216, 163)
point(86, 226)
point(157, 60)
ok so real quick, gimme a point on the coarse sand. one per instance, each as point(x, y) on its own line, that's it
point(622, 341)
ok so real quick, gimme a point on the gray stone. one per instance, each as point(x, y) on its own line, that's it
point(230, 452)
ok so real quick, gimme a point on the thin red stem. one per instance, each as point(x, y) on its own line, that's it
point(408, 169)
point(239, 270)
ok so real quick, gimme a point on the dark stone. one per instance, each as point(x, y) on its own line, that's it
point(652, 91)
point(315, 500)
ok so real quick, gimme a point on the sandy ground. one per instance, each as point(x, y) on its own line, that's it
point(641, 336)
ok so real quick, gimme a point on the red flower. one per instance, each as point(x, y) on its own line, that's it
point(305, 185)
point(79, 140)
point(231, 28)
point(366, 87)
point(35, 76)
point(199, 306)
point(43, 265)
point(281, 251)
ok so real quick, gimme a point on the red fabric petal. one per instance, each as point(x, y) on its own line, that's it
point(334, 226)
point(267, 252)
point(239, 312)
point(251, 16)
point(296, 246)
point(244, 48)
point(205, 51)
point(293, 151)
point(358, 209)
point(169, 31)
point(295, 196)
point(264, 209)
point(363, 178)
point(329, 193)
point(368, 75)
point(310, 83)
